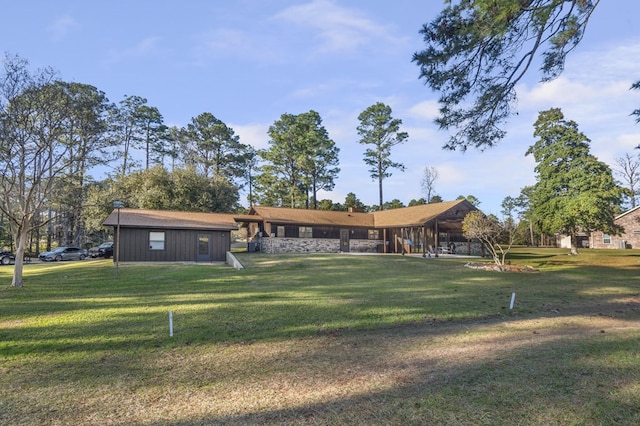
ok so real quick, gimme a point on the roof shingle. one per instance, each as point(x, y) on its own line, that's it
point(142, 218)
point(403, 217)
point(407, 216)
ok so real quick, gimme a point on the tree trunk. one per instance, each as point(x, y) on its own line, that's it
point(380, 190)
point(533, 243)
point(315, 193)
point(574, 245)
point(21, 242)
point(250, 187)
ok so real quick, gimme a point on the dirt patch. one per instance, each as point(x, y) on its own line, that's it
point(502, 268)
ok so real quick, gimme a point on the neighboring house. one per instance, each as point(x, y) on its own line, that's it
point(630, 238)
point(171, 236)
point(564, 241)
point(417, 229)
point(156, 235)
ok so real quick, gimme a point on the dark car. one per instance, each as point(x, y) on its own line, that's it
point(103, 250)
point(6, 257)
point(63, 253)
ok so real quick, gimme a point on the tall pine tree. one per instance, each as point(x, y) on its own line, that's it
point(574, 191)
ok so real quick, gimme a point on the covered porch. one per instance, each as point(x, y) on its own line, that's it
point(429, 230)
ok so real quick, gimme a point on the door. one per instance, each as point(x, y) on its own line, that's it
point(204, 248)
point(344, 240)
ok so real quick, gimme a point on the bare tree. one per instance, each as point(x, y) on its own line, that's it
point(429, 177)
point(496, 236)
point(33, 151)
point(629, 171)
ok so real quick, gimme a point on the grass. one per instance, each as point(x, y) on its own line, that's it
point(324, 339)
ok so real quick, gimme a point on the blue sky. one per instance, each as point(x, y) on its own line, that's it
point(247, 62)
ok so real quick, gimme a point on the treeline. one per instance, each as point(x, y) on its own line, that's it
point(56, 135)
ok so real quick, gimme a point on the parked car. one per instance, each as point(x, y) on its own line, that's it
point(6, 257)
point(63, 253)
point(103, 250)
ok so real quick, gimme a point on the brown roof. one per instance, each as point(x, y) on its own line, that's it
point(141, 218)
point(313, 217)
point(406, 216)
point(246, 218)
point(419, 215)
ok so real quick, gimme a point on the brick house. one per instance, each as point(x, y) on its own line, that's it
point(629, 239)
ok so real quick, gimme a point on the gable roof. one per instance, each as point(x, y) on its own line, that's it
point(406, 216)
point(445, 212)
point(627, 212)
point(141, 218)
point(313, 217)
point(419, 215)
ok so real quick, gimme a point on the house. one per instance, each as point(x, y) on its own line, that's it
point(171, 236)
point(421, 229)
point(630, 238)
point(155, 235)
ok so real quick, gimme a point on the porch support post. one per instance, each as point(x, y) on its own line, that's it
point(424, 240)
point(395, 240)
point(384, 240)
point(436, 238)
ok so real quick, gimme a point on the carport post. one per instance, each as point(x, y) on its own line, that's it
point(118, 205)
point(436, 239)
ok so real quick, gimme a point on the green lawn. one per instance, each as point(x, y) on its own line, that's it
point(324, 339)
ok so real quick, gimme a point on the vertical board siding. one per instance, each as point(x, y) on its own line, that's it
point(180, 245)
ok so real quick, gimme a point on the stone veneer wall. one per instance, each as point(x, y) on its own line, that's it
point(477, 249)
point(462, 248)
point(315, 245)
point(364, 246)
point(323, 245)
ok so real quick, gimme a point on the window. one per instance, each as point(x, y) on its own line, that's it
point(374, 234)
point(281, 233)
point(156, 240)
point(305, 232)
point(606, 239)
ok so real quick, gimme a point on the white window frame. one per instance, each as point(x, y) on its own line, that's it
point(156, 240)
point(606, 239)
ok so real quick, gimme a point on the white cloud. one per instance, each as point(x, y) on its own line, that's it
point(228, 42)
point(254, 134)
point(338, 29)
point(594, 91)
point(566, 91)
point(314, 90)
point(617, 61)
point(225, 39)
point(149, 46)
point(62, 26)
point(608, 147)
point(426, 110)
